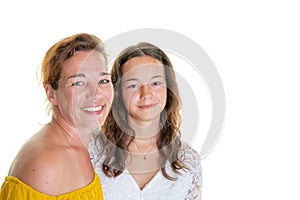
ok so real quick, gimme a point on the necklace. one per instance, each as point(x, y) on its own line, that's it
point(145, 154)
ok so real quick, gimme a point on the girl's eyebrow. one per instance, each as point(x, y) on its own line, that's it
point(158, 76)
point(131, 79)
point(136, 79)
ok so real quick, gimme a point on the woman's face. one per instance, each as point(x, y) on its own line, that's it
point(144, 88)
point(85, 91)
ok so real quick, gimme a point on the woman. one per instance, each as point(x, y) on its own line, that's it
point(140, 154)
point(55, 163)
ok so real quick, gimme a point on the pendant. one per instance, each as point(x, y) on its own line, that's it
point(145, 157)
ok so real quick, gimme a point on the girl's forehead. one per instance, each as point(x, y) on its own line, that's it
point(144, 72)
point(139, 61)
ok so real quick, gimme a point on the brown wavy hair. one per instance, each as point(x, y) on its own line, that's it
point(115, 138)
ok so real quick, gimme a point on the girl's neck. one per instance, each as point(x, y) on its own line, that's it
point(146, 141)
point(145, 130)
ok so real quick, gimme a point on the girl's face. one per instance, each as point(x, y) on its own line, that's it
point(144, 88)
point(85, 91)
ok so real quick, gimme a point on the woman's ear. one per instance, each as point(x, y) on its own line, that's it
point(50, 92)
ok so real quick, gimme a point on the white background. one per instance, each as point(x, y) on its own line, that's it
point(255, 46)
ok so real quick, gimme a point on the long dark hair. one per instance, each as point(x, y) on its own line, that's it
point(115, 137)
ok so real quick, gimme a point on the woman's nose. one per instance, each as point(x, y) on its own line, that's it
point(97, 92)
point(93, 92)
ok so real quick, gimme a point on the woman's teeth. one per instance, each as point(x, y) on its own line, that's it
point(93, 109)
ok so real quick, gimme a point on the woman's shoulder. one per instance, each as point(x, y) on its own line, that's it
point(30, 154)
point(41, 166)
point(13, 188)
point(40, 163)
point(35, 165)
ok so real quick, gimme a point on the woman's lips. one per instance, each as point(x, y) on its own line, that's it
point(94, 109)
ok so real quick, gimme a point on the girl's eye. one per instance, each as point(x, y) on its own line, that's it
point(156, 83)
point(133, 86)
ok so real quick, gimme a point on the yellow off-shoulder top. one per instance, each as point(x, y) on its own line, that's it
point(14, 189)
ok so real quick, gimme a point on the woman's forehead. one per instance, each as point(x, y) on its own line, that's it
point(85, 61)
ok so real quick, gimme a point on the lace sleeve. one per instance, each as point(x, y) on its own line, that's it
point(95, 150)
point(193, 161)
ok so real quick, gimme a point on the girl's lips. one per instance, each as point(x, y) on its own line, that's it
point(146, 107)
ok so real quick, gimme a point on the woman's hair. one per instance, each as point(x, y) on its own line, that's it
point(116, 138)
point(54, 58)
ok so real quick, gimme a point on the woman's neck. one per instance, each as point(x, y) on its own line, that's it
point(73, 135)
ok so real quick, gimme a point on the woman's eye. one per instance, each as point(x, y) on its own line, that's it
point(78, 83)
point(104, 81)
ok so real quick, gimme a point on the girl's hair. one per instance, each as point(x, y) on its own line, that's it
point(115, 138)
point(54, 58)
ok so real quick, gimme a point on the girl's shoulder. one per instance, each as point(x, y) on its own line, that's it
point(96, 144)
point(189, 156)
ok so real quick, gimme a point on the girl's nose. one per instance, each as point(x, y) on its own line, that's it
point(145, 91)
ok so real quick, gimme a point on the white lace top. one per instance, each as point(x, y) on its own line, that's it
point(186, 187)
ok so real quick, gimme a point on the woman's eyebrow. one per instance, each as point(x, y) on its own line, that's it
point(76, 75)
point(83, 75)
point(104, 74)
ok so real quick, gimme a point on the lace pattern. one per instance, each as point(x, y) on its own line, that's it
point(192, 159)
point(187, 186)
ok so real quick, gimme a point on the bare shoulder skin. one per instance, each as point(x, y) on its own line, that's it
point(49, 165)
